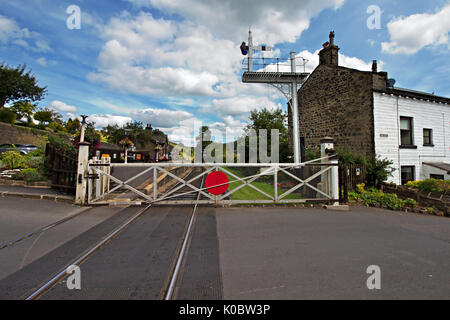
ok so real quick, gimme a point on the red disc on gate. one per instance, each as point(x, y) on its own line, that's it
point(219, 179)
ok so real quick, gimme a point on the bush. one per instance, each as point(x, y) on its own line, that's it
point(378, 171)
point(430, 185)
point(56, 127)
point(13, 159)
point(7, 116)
point(410, 203)
point(34, 159)
point(376, 198)
point(30, 175)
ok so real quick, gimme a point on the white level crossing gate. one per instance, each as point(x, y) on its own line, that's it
point(314, 181)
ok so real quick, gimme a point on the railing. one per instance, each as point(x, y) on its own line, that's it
point(274, 64)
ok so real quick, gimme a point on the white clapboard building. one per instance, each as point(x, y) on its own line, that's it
point(412, 129)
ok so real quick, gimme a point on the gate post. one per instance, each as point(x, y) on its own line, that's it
point(82, 172)
point(331, 180)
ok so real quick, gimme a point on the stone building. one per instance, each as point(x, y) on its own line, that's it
point(366, 114)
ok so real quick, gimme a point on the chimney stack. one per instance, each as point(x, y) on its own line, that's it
point(329, 55)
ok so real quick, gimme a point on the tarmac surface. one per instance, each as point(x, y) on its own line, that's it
point(269, 253)
point(234, 253)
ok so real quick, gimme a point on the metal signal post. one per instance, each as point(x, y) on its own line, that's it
point(279, 80)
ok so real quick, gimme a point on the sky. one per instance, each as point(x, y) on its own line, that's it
point(176, 63)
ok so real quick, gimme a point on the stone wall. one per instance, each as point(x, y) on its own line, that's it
point(15, 134)
point(338, 102)
point(423, 199)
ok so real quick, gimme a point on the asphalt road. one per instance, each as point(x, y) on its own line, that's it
point(317, 254)
point(244, 253)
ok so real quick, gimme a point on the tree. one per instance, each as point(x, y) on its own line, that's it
point(17, 84)
point(135, 131)
point(271, 120)
point(90, 135)
point(23, 109)
point(43, 117)
point(47, 115)
point(72, 126)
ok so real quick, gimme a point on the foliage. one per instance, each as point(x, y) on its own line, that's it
point(72, 126)
point(18, 84)
point(348, 157)
point(271, 120)
point(126, 143)
point(43, 116)
point(312, 154)
point(7, 116)
point(430, 185)
point(377, 198)
point(90, 135)
point(47, 116)
point(56, 127)
point(410, 203)
point(13, 159)
point(378, 171)
point(62, 143)
point(23, 109)
point(29, 175)
point(135, 131)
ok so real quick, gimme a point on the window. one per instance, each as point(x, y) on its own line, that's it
point(427, 137)
point(408, 174)
point(406, 131)
point(437, 176)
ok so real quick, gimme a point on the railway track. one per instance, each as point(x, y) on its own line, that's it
point(168, 290)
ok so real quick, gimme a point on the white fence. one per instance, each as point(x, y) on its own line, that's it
point(323, 183)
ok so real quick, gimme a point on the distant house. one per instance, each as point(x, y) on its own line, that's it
point(366, 114)
point(158, 148)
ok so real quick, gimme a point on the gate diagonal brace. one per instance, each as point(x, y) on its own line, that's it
point(247, 183)
point(185, 183)
point(121, 183)
point(305, 182)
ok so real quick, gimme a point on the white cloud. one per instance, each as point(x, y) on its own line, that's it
point(273, 21)
point(196, 62)
point(142, 55)
point(104, 120)
point(62, 107)
point(412, 33)
point(241, 105)
point(161, 118)
point(10, 32)
point(313, 62)
point(42, 61)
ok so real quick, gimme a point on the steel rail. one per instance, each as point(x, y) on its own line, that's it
point(180, 258)
point(78, 261)
point(62, 274)
point(43, 229)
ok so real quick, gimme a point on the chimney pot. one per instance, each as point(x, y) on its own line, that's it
point(374, 66)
